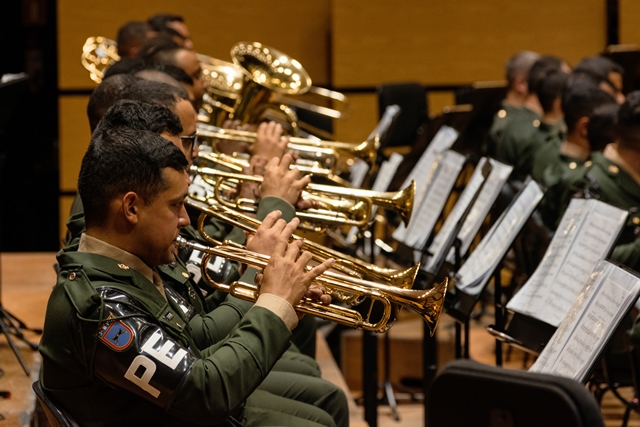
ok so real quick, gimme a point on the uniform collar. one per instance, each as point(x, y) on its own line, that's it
point(610, 153)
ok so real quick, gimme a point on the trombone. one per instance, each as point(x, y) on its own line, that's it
point(345, 264)
point(399, 201)
point(427, 303)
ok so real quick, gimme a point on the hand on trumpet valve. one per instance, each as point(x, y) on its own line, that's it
point(286, 275)
point(272, 231)
point(283, 182)
point(269, 141)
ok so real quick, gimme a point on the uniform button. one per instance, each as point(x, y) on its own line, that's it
point(635, 220)
point(185, 274)
point(587, 163)
point(123, 266)
point(502, 114)
point(536, 123)
point(572, 165)
point(72, 275)
point(613, 169)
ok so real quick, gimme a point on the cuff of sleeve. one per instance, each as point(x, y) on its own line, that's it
point(280, 307)
point(272, 203)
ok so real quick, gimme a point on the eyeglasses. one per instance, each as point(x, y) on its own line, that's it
point(188, 141)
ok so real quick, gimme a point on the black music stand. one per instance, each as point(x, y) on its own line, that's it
point(10, 325)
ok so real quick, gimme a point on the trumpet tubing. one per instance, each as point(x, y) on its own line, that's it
point(427, 303)
point(345, 264)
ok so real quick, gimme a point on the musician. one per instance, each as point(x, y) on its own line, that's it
point(115, 330)
point(165, 50)
point(514, 147)
point(132, 35)
point(516, 72)
point(614, 177)
point(173, 26)
point(555, 158)
point(278, 193)
point(606, 72)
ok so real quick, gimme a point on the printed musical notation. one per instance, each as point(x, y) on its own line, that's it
point(585, 235)
point(427, 213)
point(608, 295)
point(477, 269)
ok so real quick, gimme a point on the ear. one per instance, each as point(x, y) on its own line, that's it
point(130, 206)
point(582, 125)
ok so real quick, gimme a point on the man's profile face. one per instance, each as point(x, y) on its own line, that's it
point(188, 118)
point(189, 62)
point(159, 222)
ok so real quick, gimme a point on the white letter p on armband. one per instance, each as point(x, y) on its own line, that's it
point(142, 381)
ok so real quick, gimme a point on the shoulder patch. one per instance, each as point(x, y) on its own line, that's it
point(115, 334)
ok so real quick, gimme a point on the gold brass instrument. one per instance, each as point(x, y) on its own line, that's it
point(427, 303)
point(307, 148)
point(345, 263)
point(237, 163)
point(333, 209)
point(98, 53)
point(400, 201)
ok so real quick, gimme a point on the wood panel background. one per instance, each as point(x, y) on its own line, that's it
point(350, 45)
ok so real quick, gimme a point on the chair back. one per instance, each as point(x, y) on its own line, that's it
point(56, 415)
point(468, 393)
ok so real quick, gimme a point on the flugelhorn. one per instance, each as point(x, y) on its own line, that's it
point(345, 264)
point(427, 303)
point(400, 201)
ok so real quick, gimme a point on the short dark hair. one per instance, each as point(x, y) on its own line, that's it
point(544, 65)
point(160, 49)
point(123, 66)
point(171, 70)
point(154, 92)
point(581, 97)
point(629, 121)
point(135, 114)
point(599, 68)
point(130, 35)
point(119, 160)
point(602, 127)
point(551, 88)
point(105, 94)
point(159, 21)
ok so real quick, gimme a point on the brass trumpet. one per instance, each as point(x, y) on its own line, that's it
point(399, 201)
point(345, 264)
point(344, 151)
point(427, 303)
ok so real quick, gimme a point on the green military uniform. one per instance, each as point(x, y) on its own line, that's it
point(500, 121)
point(550, 168)
point(304, 336)
point(164, 354)
point(515, 147)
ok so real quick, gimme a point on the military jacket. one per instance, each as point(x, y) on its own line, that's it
point(606, 181)
point(114, 352)
point(550, 168)
point(515, 147)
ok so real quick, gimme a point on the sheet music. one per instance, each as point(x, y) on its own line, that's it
point(488, 195)
point(423, 171)
point(357, 172)
point(456, 213)
point(426, 215)
point(477, 269)
point(586, 233)
point(591, 320)
point(390, 112)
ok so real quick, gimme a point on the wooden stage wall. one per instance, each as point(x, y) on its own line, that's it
point(349, 45)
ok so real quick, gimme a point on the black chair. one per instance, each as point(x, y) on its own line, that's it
point(469, 393)
point(56, 416)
